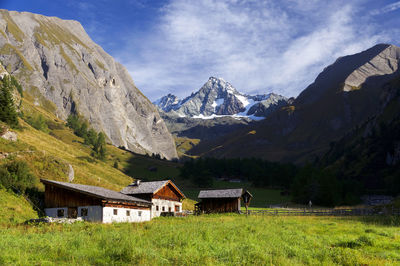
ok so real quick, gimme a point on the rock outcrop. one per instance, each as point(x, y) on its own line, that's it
point(384, 63)
point(56, 60)
point(3, 72)
point(9, 135)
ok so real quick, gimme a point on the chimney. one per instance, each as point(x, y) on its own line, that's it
point(135, 183)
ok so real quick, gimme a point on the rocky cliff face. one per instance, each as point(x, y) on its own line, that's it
point(56, 59)
point(219, 98)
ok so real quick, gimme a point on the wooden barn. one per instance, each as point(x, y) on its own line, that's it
point(165, 196)
point(221, 200)
point(91, 203)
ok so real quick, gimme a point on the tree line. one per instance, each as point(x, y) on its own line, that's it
point(303, 183)
point(96, 140)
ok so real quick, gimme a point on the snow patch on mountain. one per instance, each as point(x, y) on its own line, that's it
point(243, 99)
point(217, 103)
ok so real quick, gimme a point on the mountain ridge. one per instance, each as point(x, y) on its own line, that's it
point(322, 113)
point(65, 70)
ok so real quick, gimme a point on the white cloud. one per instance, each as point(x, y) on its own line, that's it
point(258, 46)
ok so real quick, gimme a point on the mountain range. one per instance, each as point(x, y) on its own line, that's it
point(217, 98)
point(67, 73)
point(344, 95)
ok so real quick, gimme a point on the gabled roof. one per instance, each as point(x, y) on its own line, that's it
point(97, 192)
point(148, 187)
point(222, 193)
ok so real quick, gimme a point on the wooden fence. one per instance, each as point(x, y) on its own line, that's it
point(325, 212)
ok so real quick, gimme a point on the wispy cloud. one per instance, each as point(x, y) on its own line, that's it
point(387, 8)
point(258, 46)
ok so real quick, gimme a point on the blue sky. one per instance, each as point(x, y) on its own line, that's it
point(259, 46)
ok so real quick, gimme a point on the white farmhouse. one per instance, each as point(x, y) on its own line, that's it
point(91, 203)
point(165, 196)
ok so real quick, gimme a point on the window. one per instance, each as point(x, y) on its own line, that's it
point(128, 213)
point(169, 209)
point(140, 213)
point(115, 212)
point(163, 209)
point(176, 208)
point(60, 213)
point(84, 212)
point(157, 208)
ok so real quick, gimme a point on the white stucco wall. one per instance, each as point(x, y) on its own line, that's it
point(109, 217)
point(52, 212)
point(105, 215)
point(166, 204)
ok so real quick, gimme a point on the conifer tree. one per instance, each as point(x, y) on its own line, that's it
point(100, 146)
point(8, 113)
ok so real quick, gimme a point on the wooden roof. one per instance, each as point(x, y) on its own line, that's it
point(222, 193)
point(149, 187)
point(97, 192)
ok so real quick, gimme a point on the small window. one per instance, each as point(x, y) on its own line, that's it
point(60, 213)
point(140, 213)
point(84, 212)
point(169, 209)
point(115, 212)
point(128, 213)
point(157, 208)
point(163, 209)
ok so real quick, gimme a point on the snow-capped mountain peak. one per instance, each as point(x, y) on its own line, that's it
point(219, 98)
point(168, 102)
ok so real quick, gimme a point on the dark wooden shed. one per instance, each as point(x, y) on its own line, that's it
point(221, 200)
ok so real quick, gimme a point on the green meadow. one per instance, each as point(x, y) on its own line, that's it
point(208, 240)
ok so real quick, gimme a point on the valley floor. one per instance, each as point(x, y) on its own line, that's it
point(208, 240)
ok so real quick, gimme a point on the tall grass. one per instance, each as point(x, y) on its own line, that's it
point(14, 208)
point(206, 240)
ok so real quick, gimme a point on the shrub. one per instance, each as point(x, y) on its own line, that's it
point(38, 122)
point(16, 175)
point(16, 85)
point(3, 128)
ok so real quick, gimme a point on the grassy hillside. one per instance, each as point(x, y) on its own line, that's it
point(207, 240)
point(49, 150)
point(48, 147)
point(183, 145)
point(14, 208)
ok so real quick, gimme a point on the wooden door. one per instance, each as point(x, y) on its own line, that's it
point(73, 212)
